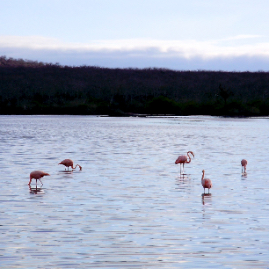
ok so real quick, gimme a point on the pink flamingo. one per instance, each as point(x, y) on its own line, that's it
point(68, 162)
point(37, 175)
point(206, 182)
point(244, 163)
point(184, 159)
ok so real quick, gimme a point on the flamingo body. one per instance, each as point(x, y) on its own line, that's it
point(206, 182)
point(182, 159)
point(244, 163)
point(69, 163)
point(37, 175)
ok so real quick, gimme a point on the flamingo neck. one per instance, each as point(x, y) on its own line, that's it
point(203, 176)
point(76, 167)
point(189, 158)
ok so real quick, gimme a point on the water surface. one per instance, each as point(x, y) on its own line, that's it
point(129, 207)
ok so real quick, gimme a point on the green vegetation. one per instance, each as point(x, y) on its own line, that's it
point(28, 87)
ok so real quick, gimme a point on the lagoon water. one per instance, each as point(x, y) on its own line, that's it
point(129, 207)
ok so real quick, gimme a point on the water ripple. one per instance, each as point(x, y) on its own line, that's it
point(129, 207)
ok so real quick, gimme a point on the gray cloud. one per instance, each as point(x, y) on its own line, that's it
point(149, 56)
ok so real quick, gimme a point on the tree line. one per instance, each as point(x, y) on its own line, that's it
point(30, 87)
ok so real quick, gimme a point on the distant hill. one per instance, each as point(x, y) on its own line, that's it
point(30, 87)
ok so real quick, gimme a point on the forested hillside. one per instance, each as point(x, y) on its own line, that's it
point(28, 87)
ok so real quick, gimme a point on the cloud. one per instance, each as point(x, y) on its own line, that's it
point(140, 53)
point(242, 37)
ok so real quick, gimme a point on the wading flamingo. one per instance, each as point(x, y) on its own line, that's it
point(206, 182)
point(244, 165)
point(68, 162)
point(184, 159)
point(37, 175)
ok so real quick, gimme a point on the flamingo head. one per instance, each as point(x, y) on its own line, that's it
point(191, 153)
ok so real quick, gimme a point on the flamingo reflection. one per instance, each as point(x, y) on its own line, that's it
point(206, 197)
point(35, 190)
point(183, 176)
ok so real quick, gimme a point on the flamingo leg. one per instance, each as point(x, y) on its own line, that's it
point(41, 182)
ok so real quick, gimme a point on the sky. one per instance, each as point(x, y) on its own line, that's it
point(227, 35)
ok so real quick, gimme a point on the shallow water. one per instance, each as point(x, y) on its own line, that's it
point(129, 207)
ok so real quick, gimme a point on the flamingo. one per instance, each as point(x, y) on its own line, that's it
point(68, 162)
point(184, 159)
point(37, 175)
point(206, 182)
point(244, 163)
